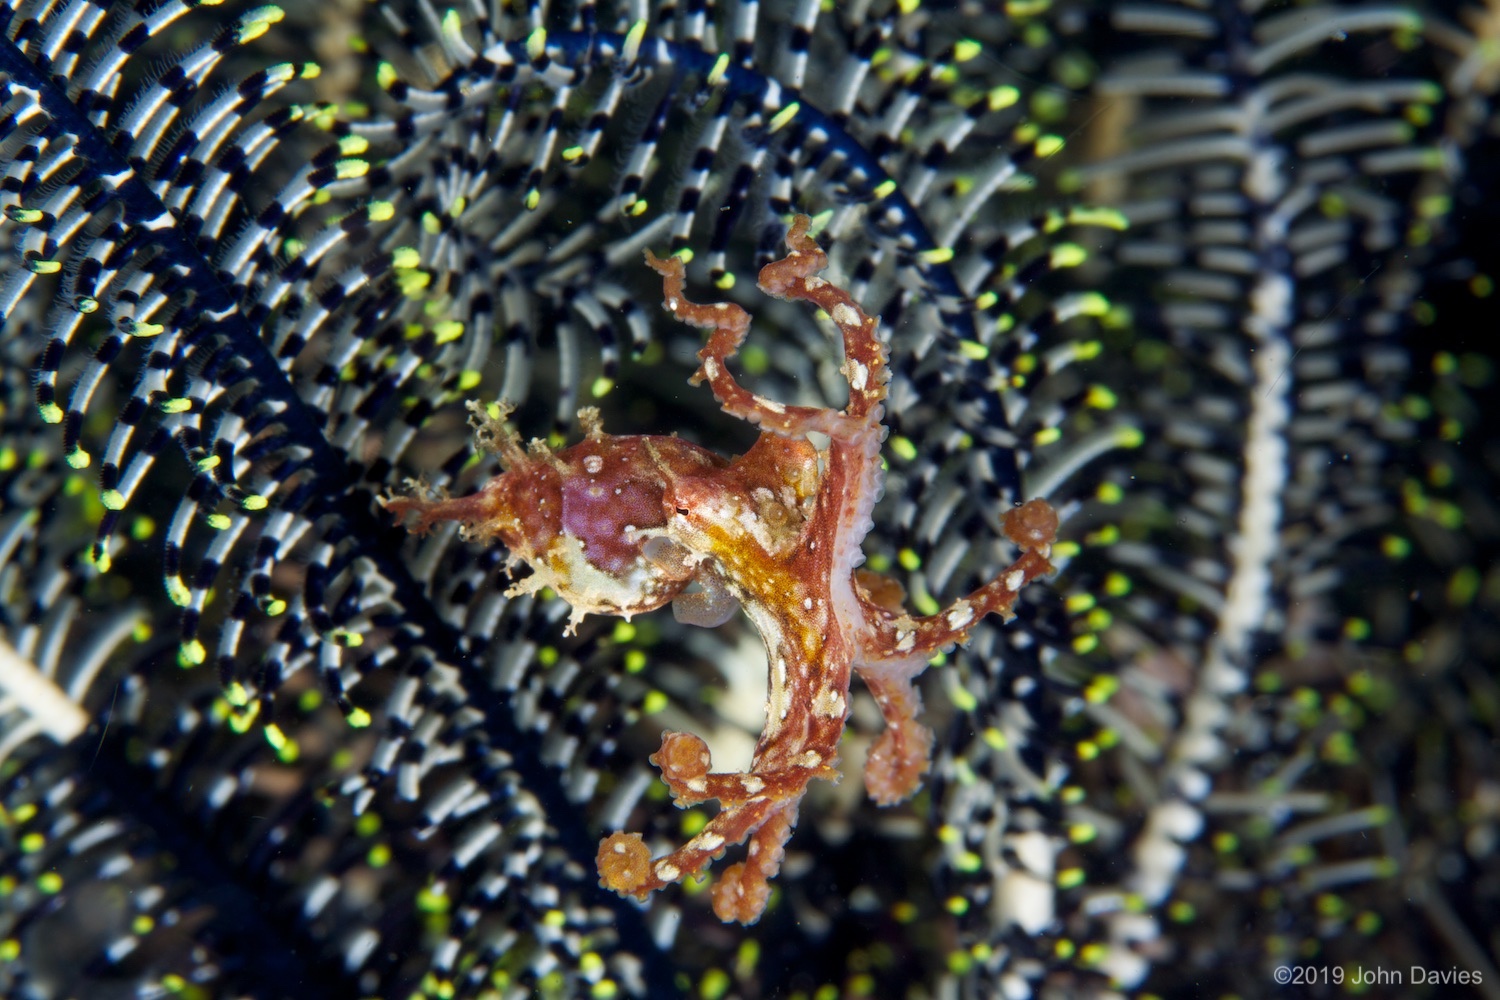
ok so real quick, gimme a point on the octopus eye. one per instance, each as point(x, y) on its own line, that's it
point(709, 607)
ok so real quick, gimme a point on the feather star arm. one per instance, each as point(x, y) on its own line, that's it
point(622, 525)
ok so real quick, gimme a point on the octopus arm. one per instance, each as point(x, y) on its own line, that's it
point(896, 647)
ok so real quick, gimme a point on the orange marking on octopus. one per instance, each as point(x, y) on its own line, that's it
point(621, 525)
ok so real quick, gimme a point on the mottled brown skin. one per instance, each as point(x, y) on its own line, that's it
point(779, 529)
point(579, 517)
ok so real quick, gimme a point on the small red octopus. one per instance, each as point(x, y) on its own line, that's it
point(620, 525)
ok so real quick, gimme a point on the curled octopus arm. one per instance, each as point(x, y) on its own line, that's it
point(897, 647)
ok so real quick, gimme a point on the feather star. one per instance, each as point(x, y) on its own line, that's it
point(620, 525)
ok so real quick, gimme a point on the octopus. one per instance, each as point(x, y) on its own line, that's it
point(623, 525)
